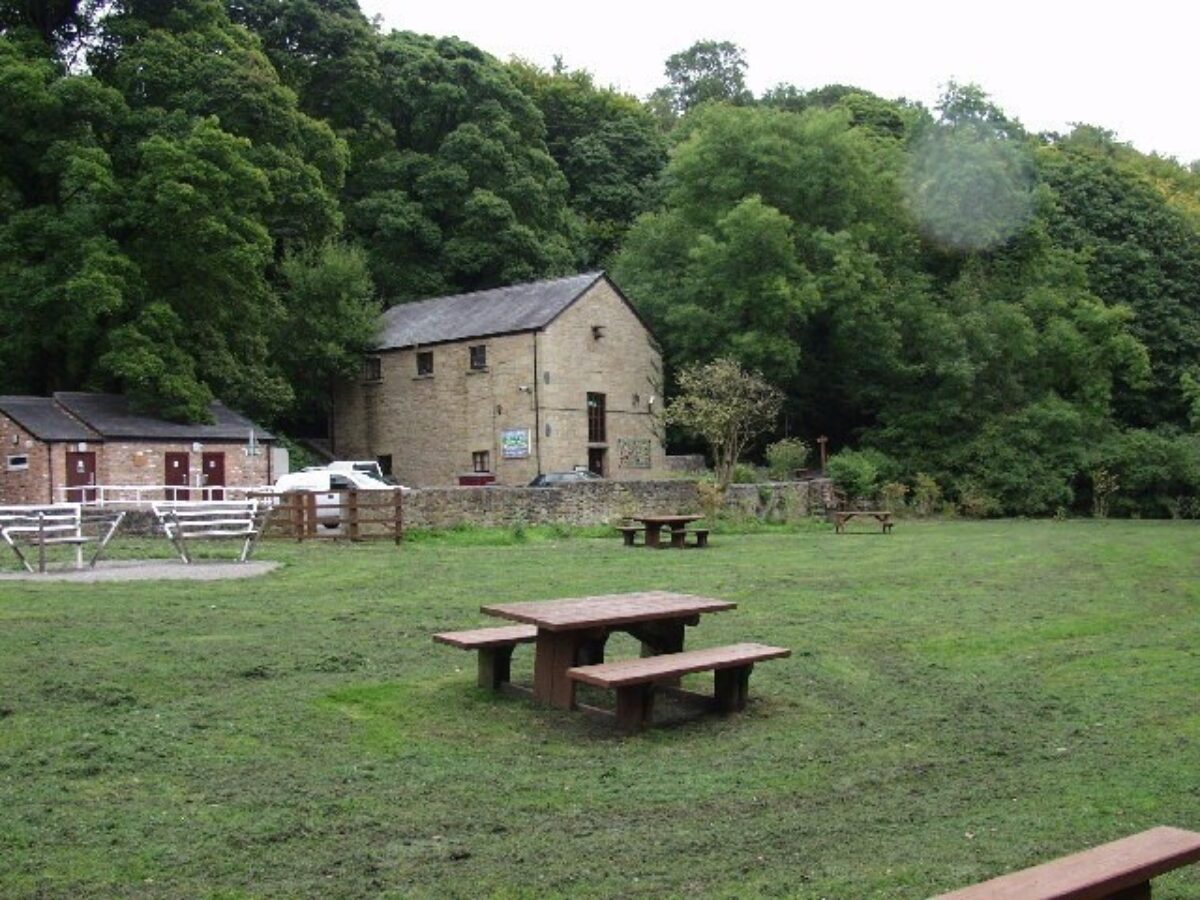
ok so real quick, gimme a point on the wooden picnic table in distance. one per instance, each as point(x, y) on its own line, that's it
point(656, 523)
point(573, 631)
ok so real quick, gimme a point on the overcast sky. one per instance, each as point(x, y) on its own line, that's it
point(1046, 63)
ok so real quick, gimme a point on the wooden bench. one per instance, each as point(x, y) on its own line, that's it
point(55, 524)
point(495, 646)
point(184, 521)
point(1121, 869)
point(679, 538)
point(629, 532)
point(634, 679)
point(840, 517)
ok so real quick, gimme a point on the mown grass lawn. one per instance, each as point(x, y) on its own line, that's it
point(964, 699)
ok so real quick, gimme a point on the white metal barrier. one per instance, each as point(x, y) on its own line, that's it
point(143, 495)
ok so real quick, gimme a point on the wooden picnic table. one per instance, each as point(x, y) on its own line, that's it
point(656, 523)
point(573, 631)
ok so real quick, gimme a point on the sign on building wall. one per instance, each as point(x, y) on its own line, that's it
point(514, 443)
point(633, 453)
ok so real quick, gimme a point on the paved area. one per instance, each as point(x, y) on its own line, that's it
point(150, 570)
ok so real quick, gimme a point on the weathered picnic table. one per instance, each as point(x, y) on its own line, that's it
point(677, 524)
point(574, 631)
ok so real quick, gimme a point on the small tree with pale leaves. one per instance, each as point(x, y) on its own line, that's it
point(725, 405)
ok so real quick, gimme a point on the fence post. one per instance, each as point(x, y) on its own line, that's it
point(310, 514)
point(42, 542)
point(352, 514)
point(398, 522)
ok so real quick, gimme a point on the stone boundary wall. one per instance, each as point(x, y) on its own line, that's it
point(596, 503)
point(587, 503)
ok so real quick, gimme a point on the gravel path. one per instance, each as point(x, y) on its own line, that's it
point(149, 570)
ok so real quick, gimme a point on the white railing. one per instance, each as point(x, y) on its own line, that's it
point(142, 495)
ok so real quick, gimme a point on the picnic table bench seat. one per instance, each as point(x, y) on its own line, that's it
point(495, 646)
point(634, 679)
point(54, 524)
point(1120, 869)
point(629, 532)
point(679, 538)
point(184, 521)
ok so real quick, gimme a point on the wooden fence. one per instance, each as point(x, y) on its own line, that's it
point(344, 515)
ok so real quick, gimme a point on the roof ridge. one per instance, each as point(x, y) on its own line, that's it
point(594, 274)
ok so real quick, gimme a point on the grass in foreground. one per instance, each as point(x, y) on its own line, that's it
point(964, 699)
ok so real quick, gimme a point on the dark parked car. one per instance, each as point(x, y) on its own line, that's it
point(554, 479)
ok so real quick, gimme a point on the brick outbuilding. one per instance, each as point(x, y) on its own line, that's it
point(56, 448)
point(502, 385)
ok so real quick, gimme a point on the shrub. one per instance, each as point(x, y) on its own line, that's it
point(785, 458)
point(712, 498)
point(976, 502)
point(744, 473)
point(893, 494)
point(927, 494)
point(1153, 469)
point(859, 472)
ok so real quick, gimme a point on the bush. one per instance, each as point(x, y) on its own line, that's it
point(893, 494)
point(712, 498)
point(1154, 471)
point(785, 458)
point(927, 494)
point(859, 472)
point(976, 502)
point(744, 473)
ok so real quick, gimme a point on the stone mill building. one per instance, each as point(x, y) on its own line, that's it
point(498, 386)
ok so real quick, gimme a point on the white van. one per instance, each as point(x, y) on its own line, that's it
point(370, 466)
point(327, 483)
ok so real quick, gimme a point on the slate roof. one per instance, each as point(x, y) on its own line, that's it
point(45, 419)
point(111, 417)
point(506, 310)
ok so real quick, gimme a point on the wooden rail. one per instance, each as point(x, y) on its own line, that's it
point(335, 515)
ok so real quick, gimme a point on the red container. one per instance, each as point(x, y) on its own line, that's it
point(475, 479)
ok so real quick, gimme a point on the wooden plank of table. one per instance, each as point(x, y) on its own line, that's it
point(606, 611)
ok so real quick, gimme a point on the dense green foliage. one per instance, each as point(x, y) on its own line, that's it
point(206, 199)
point(1004, 312)
point(963, 699)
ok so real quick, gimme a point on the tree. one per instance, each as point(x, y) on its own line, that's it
point(607, 145)
point(727, 407)
point(707, 71)
point(463, 194)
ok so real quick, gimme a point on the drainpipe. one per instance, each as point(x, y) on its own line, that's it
point(50, 467)
point(537, 408)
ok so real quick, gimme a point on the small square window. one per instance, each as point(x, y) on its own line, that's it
point(479, 357)
point(372, 369)
point(424, 362)
point(481, 461)
point(16, 463)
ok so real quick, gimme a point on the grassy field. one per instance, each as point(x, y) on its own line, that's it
point(964, 699)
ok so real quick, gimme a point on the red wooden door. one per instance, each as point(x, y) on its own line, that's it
point(176, 475)
point(212, 466)
point(81, 473)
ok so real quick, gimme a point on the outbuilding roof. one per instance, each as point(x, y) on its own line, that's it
point(505, 310)
point(45, 419)
point(111, 416)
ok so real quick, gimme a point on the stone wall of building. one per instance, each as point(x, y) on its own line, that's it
point(599, 346)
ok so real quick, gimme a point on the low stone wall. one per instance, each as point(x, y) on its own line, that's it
point(586, 503)
point(595, 503)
